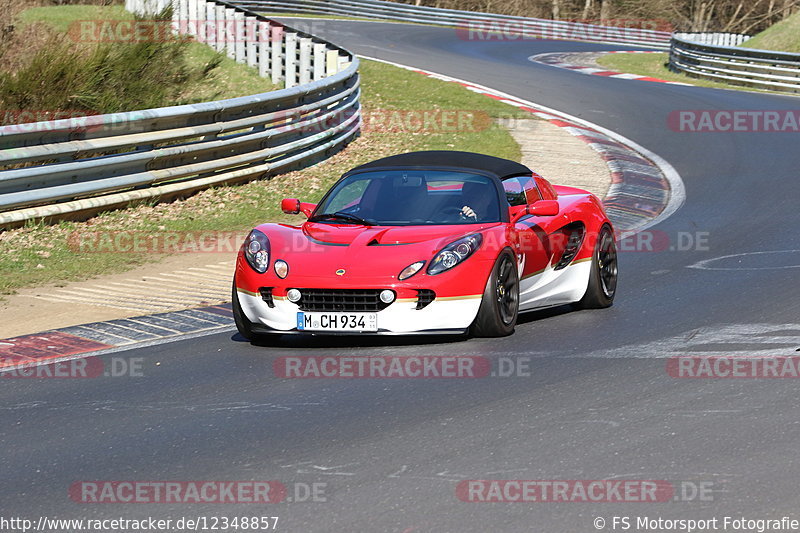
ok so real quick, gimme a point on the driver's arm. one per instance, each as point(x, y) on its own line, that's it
point(468, 212)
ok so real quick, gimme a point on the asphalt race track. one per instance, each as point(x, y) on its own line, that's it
point(598, 402)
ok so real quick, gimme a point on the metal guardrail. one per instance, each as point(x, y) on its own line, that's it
point(761, 69)
point(62, 167)
point(713, 39)
point(470, 24)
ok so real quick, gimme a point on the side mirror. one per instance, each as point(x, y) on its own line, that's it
point(293, 206)
point(544, 208)
point(290, 206)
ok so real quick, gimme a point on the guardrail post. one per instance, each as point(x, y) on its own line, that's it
point(211, 25)
point(319, 61)
point(239, 45)
point(183, 15)
point(200, 23)
point(230, 32)
point(251, 41)
point(291, 60)
point(219, 16)
point(277, 54)
point(332, 62)
point(305, 60)
point(264, 45)
point(175, 26)
point(191, 21)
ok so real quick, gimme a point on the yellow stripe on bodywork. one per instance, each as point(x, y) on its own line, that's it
point(468, 297)
point(239, 289)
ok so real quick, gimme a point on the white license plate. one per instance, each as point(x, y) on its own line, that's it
point(337, 321)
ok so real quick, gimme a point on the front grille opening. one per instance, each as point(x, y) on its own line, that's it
point(266, 295)
point(341, 300)
point(424, 297)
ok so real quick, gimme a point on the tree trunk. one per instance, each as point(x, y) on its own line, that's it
point(605, 11)
point(788, 8)
point(587, 9)
point(556, 9)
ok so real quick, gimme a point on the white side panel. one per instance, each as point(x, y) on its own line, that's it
point(555, 287)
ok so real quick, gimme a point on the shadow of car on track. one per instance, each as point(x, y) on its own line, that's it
point(370, 341)
point(348, 341)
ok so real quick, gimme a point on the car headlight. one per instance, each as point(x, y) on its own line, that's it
point(454, 253)
point(410, 270)
point(256, 251)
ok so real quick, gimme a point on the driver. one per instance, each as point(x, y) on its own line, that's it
point(477, 198)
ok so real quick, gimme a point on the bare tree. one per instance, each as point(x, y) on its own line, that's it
point(605, 11)
point(588, 8)
point(740, 16)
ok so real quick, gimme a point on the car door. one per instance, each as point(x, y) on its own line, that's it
point(536, 238)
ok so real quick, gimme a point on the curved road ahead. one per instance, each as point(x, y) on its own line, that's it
point(598, 403)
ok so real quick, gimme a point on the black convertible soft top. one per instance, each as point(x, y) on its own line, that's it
point(497, 166)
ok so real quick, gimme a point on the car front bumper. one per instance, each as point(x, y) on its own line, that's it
point(450, 315)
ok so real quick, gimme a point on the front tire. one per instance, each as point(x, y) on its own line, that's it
point(244, 326)
point(603, 277)
point(499, 308)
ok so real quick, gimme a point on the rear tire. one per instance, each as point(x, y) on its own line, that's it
point(603, 276)
point(499, 308)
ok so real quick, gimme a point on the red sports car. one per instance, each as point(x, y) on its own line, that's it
point(426, 242)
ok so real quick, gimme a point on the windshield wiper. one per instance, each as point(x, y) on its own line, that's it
point(341, 215)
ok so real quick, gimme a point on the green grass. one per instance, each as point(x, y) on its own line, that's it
point(62, 18)
point(238, 208)
point(654, 65)
point(783, 36)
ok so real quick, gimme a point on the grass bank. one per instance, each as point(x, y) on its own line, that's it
point(783, 36)
point(64, 61)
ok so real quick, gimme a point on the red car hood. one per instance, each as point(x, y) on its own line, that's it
point(315, 252)
point(385, 235)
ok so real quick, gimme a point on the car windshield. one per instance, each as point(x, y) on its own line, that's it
point(410, 197)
